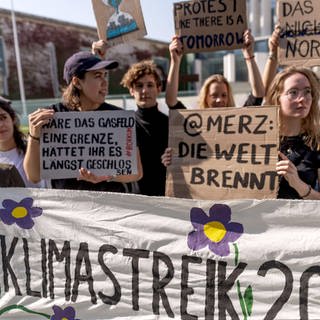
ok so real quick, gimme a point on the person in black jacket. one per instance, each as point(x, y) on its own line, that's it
point(87, 85)
point(144, 84)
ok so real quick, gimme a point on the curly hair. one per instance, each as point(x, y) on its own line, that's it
point(138, 70)
point(18, 135)
point(309, 125)
point(202, 103)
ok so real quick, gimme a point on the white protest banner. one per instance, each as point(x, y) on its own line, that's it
point(223, 153)
point(208, 25)
point(119, 21)
point(102, 142)
point(300, 30)
point(89, 255)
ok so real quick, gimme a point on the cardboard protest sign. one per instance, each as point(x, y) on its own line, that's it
point(225, 153)
point(95, 255)
point(300, 31)
point(210, 25)
point(102, 142)
point(119, 21)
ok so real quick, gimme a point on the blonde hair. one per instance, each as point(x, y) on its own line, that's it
point(309, 125)
point(205, 91)
point(138, 70)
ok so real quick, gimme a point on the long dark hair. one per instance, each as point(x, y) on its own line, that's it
point(18, 135)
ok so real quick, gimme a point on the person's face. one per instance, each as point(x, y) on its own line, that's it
point(296, 98)
point(93, 88)
point(217, 95)
point(6, 128)
point(145, 91)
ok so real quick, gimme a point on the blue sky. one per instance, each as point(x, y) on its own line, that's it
point(157, 13)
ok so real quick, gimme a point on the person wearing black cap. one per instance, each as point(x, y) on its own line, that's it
point(87, 85)
point(12, 149)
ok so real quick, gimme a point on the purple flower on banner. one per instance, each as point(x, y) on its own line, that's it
point(215, 231)
point(20, 213)
point(63, 314)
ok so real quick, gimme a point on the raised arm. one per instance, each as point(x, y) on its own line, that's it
point(254, 75)
point(31, 161)
point(270, 68)
point(176, 53)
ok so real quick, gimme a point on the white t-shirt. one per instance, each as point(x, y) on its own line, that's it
point(14, 157)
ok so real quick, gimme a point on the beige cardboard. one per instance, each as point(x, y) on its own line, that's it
point(106, 16)
point(210, 25)
point(300, 30)
point(198, 138)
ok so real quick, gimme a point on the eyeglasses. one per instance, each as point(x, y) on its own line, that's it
point(293, 94)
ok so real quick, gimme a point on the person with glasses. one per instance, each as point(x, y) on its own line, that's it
point(296, 91)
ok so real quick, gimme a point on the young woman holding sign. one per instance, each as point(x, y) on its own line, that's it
point(216, 90)
point(296, 91)
point(87, 85)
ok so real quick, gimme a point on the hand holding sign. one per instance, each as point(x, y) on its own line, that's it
point(99, 48)
point(87, 175)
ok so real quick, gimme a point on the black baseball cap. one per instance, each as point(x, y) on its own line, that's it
point(82, 62)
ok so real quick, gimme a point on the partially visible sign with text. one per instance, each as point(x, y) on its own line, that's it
point(300, 30)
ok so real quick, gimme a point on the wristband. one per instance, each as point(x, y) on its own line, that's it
point(249, 58)
point(33, 137)
point(272, 56)
point(308, 192)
